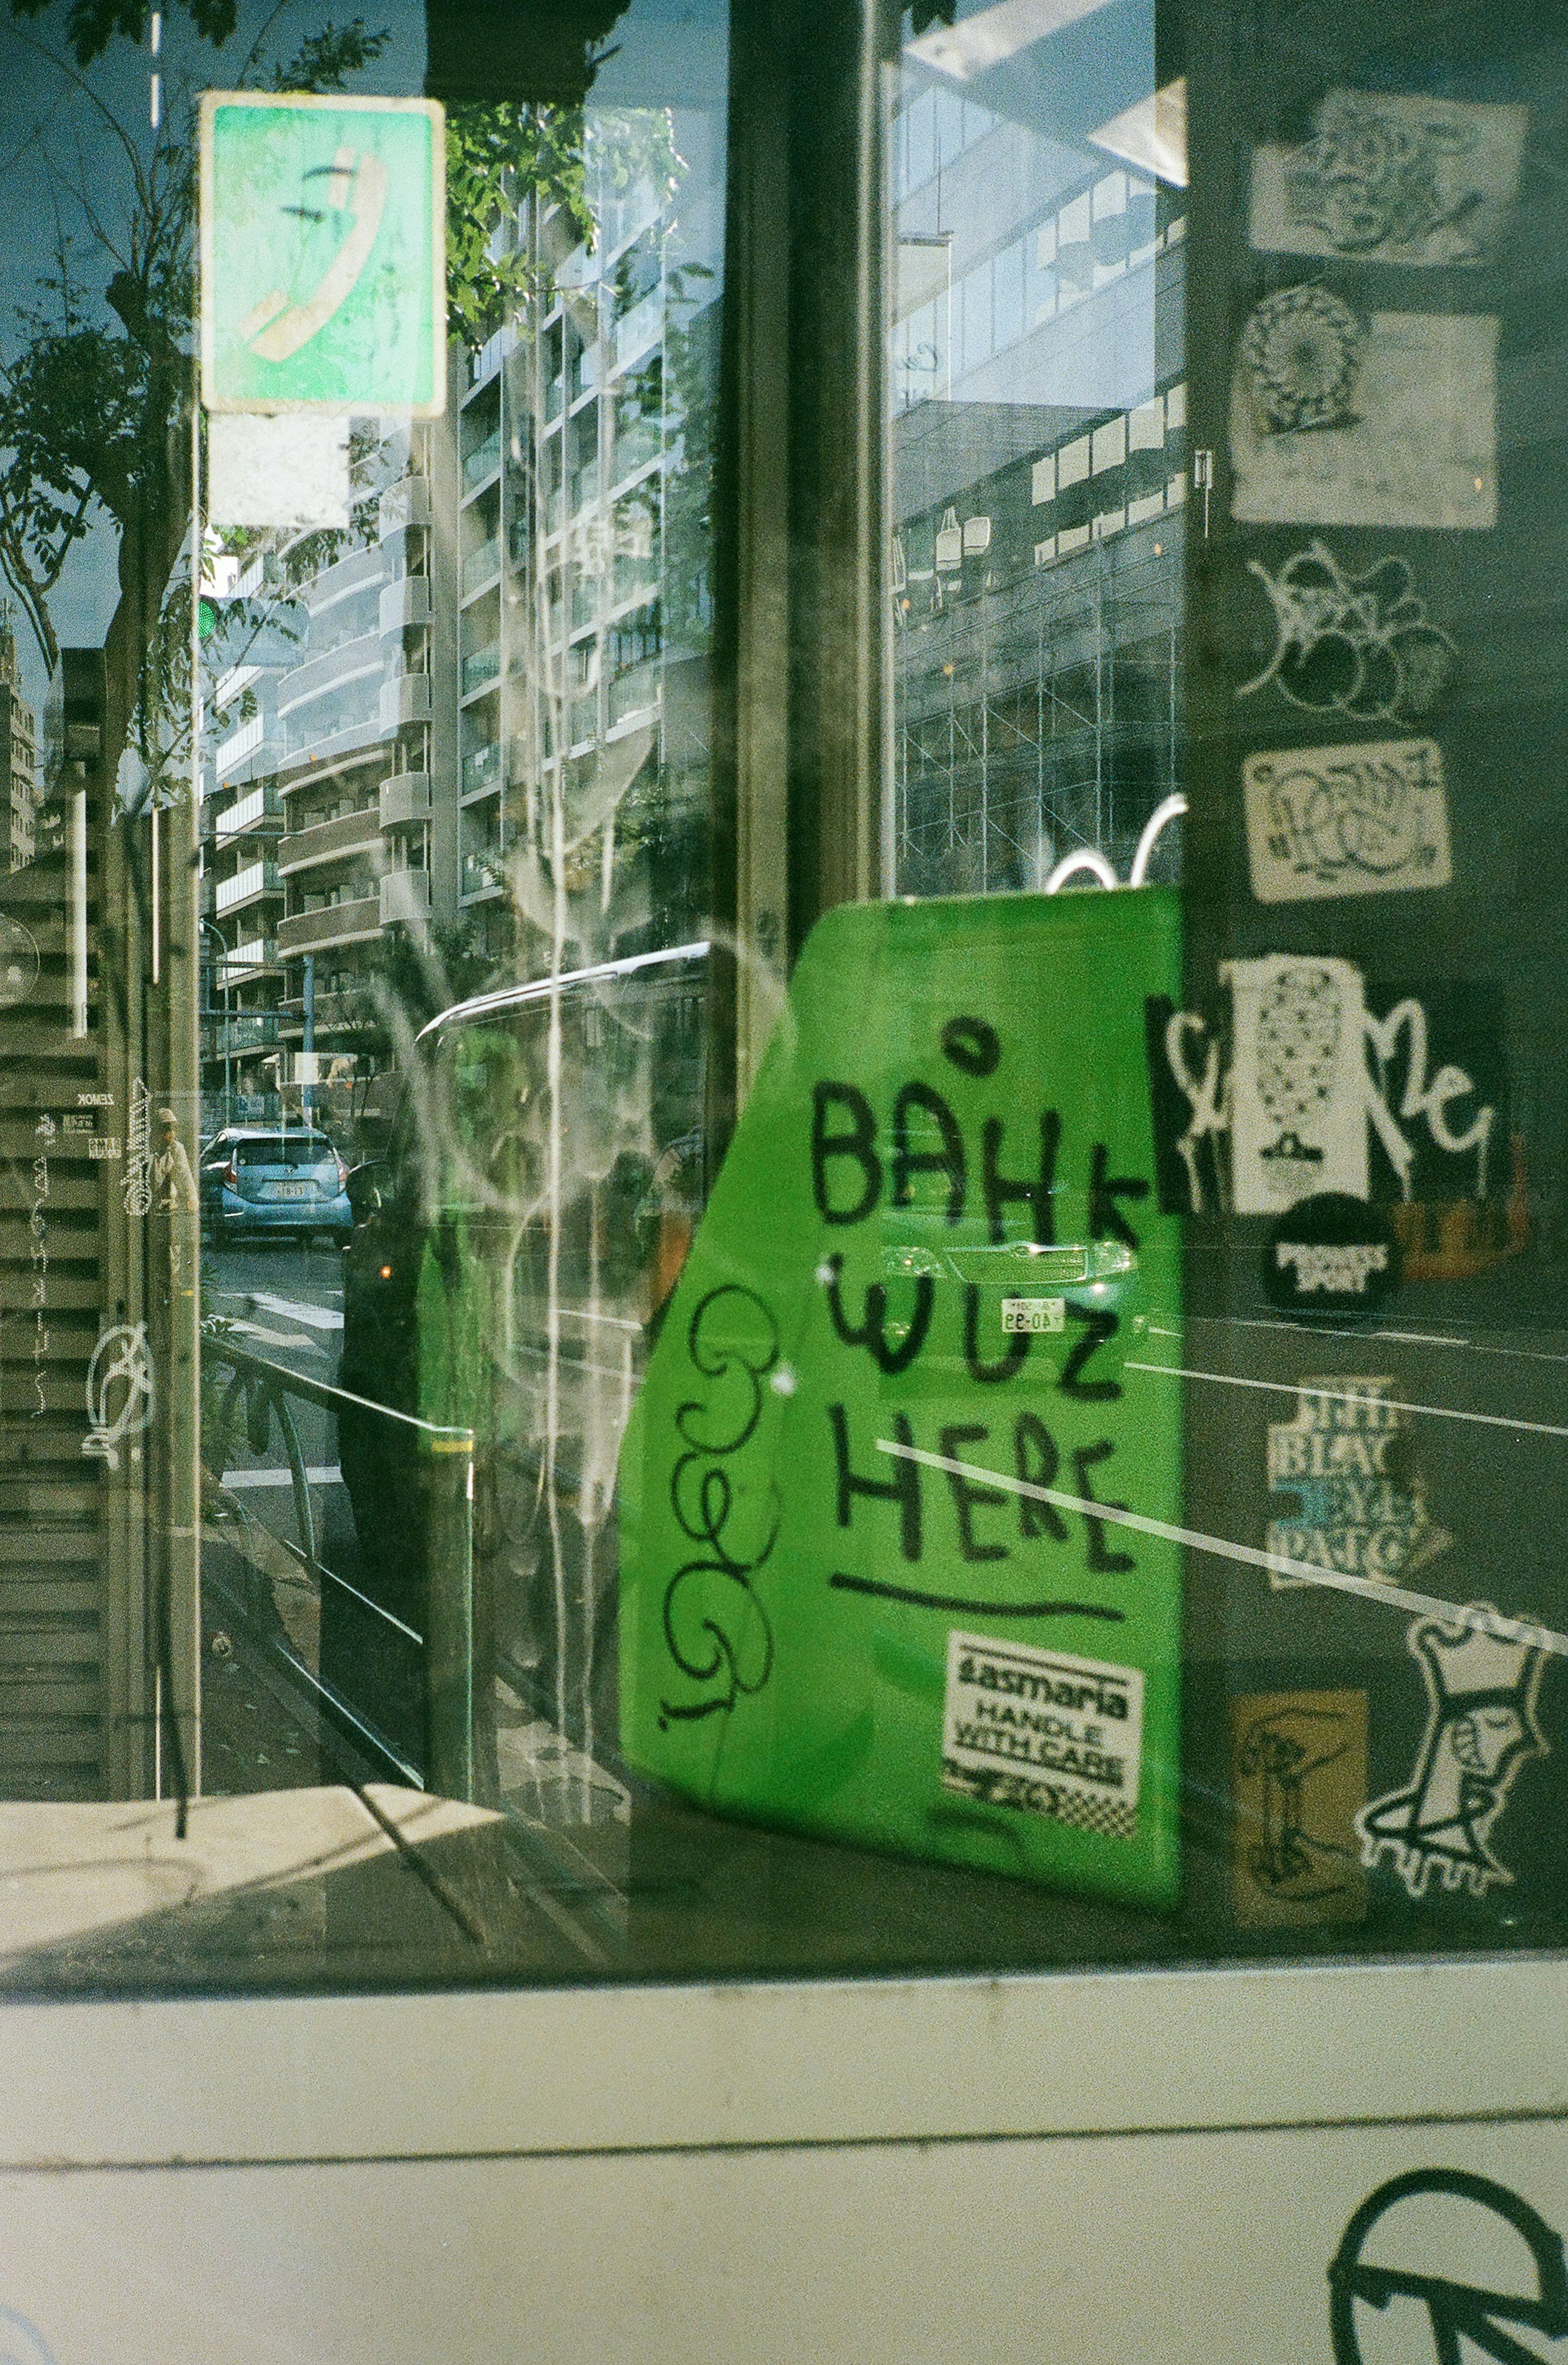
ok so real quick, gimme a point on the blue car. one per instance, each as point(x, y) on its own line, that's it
point(272, 1178)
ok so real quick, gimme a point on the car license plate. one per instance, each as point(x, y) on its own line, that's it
point(291, 1189)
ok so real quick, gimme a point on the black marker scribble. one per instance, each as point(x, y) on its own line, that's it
point(894, 1345)
point(1358, 645)
point(732, 1643)
point(972, 1045)
point(961, 1601)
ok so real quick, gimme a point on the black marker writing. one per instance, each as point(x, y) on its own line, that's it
point(1100, 1558)
point(899, 1489)
point(1099, 1325)
point(892, 1348)
point(1036, 1458)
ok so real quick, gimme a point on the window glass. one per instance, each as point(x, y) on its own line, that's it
point(534, 1445)
point(1038, 464)
point(357, 653)
point(1157, 572)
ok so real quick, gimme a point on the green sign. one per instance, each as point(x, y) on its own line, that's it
point(322, 254)
point(877, 1582)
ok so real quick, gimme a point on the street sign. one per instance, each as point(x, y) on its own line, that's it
point(322, 254)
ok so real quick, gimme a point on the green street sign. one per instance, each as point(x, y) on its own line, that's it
point(900, 1495)
point(322, 254)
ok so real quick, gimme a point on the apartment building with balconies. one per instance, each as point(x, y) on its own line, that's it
point(505, 657)
point(583, 601)
point(368, 763)
point(241, 894)
point(19, 757)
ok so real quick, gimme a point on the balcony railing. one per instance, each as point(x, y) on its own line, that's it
point(404, 504)
point(249, 1032)
point(480, 566)
point(482, 770)
point(482, 667)
point(483, 461)
point(405, 601)
point(641, 327)
point(405, 699)
point(405, 799)
point(346, 833)
point(241, 744)
point(262, 805)
point(256, 879)
point(484, 365)
point(339, 668)
point(304, 932)
point(405, 895)
point(245, 960)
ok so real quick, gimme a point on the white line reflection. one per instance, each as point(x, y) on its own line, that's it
point(1409, 1337)
point(1368, 1588)
point(1355, 1396)
point(236, 1481)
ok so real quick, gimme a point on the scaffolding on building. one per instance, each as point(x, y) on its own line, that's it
point(1040, 718)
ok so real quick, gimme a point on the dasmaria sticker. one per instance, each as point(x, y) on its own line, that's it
point(1041, 1730)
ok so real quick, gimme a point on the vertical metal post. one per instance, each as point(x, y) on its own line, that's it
point(841, 618)
point(307, 1095)
point(452, 1743)
point(79, 913)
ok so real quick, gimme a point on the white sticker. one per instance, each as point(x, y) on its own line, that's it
point(1366, 820)
point(1298, 1119)
point(278, 471)
point(1392, 177)
point(1043, 1731)
point(1348, 1497)
point(1341, 420)
point(1033, 1315)
point(1342, 1268)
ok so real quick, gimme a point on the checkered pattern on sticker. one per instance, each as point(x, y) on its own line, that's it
point(1113, 1819)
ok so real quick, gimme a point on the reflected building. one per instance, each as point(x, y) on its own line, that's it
point(1040, 471)
point(328, 825)
point(584, 598)
point(367, 761)
point(241, 895)
point(487, 724)
point(19, 747)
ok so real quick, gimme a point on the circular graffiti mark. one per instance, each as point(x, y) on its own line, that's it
point(121, 1393)
point(18, 962)
point(22, 2343)
point(1418, 2248)
point(1302, 352)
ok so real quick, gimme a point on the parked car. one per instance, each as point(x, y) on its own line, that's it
point(272, 1178)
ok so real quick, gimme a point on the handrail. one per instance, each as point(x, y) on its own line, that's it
point(322, 1392)
point(452, 1754)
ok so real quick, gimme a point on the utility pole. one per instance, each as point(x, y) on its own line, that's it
point(225, 989)
point(307, 1094)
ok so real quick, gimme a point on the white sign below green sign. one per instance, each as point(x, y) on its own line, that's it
point(322, 254)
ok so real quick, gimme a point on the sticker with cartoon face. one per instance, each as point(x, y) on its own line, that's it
point(1482, 1677)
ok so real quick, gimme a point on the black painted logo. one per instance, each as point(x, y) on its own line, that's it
point(1390, 2252)
point(1330, 1254)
